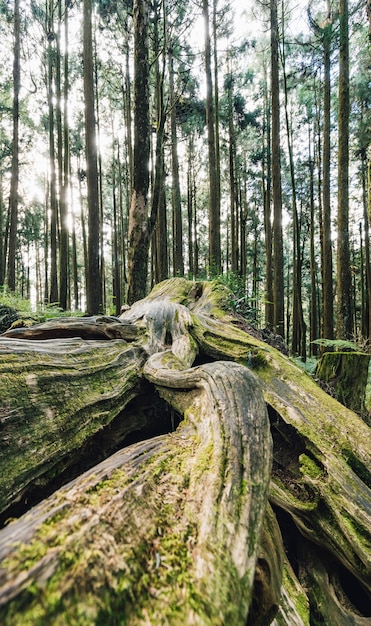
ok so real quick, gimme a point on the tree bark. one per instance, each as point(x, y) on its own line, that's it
point(344, 280)
point(177, 529)
point(138, 235)
point(94, 283)
point(278, 281)
point(214, 200)
point(13, 199)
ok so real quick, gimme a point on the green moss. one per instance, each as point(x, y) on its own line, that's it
point(309, 468)
point(357, 466)
point(297, 595)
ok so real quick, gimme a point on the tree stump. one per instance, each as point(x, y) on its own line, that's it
point(346, 373)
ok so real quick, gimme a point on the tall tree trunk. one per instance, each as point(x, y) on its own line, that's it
point(158, 208)
point(344, 282)
point(176, 200)
point(232, 175)
point(214, 207)
point(13, 199)
point(313, 283)
point(327, 278)
point(94, 287)
point(53, 271)
point(190, 207)
point(298, 340)
point(64, 230)
point(366, 224)
point(138, 219)
point(2, 232)
point(278, 277)
point(216, 101)
point(267, 192)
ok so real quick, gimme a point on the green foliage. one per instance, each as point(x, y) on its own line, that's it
point(240, 302)
point(337, 345)
point(24, 307)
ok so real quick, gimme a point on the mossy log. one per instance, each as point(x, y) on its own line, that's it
point(177, 528)
point(346, 374)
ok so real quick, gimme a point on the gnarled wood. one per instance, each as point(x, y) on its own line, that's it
point(165, 530)
point(319, 488)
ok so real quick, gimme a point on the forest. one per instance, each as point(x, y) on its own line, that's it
point(254, 121)
point(185, 313)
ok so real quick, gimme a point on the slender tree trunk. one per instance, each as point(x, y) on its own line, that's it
point(158, 208)
point(298, 340)
point(313, 283)
point(176, 200)
point(53, 271)
point(214, 208)
point(2, 232)
point(190, 208)
point(64, 230)
point(138, 219)
point(366, 225)
point(278, 278)
point(267, 191)
point(94, 286)
point(13, 200)
point(344, 282)
point(232, 179)
point(216, 101)
point(327, 287)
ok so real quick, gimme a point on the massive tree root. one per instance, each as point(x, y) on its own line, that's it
point(191, 516)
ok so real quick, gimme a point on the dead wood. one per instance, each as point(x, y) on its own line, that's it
point(189, 352)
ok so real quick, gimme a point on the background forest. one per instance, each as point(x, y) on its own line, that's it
point(257, 126)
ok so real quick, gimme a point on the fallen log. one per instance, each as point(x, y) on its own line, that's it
point(190, 355)
point(162, 531)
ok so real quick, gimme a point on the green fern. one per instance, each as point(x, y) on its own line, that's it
point(337, 344)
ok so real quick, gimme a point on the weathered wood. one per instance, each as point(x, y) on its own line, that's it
point(164, 531)
point(54, 397)
point(93, 327)
point(320, 481)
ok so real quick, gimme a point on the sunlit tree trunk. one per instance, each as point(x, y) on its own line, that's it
point(13, 199)
point(278, 278)
point(94, 287)
point(344, 306)
point(138, 219)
